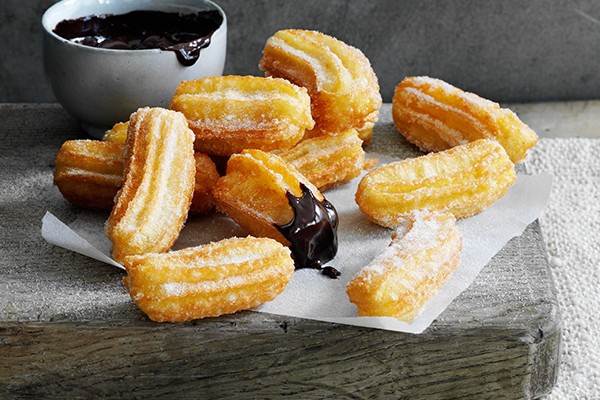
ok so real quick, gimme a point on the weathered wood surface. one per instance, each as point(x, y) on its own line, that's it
point(68, 328)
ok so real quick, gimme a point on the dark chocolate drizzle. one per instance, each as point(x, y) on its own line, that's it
point(312, 232)
point(331, 272)
point(185, 34)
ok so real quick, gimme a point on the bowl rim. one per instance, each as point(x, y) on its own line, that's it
point(50, 31)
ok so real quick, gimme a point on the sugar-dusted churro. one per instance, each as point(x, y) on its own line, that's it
point(269, 197)
point(327, 161)
point(210, 280)
point(435, 115)
point(424, 251)
point(206, 177)
point(463, 180)
point(153, 203)
point(231, 113)
point(117, 134)
point(365, 131)
point(342, 85)
point(89, 173)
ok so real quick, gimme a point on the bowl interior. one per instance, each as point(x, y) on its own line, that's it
point(72, 9)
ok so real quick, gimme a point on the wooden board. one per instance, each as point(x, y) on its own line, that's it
point(69, 329)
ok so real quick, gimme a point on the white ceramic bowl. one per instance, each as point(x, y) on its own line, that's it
point(101, 87)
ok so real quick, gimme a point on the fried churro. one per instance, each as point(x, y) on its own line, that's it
point(210, 280)
point(435, 116)
point(206, 177)
point(153, 203)
point(89, 173)
point(231, 113)
point(424, 251)
point(117, 134)
point(327, 161)
point(463, 180)
point(341, 83)
point(269, 197)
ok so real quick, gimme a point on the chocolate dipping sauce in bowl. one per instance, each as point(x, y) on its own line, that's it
point(106, 58)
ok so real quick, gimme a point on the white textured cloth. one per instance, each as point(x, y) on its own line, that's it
point(571, 229)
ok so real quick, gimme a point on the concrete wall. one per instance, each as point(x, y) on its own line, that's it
point(506, 50)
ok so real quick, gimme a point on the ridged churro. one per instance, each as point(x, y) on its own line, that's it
point(435, 116)
point(153, 203)
point(424, 251)
point(463, 180)
point(327, 161)
point(210, 280)
point(231, 113)
point(117, 134)
point(89, 173)
point(206, 177)
point(342, 85)
point(269, 197)
point(365, 131)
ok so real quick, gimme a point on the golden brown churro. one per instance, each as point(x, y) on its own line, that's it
point(207, 281)
point(424, 251)
point(206, 177)
point(153, 203)
point(327, 161)
point(89, 173)
point(117, 134)
point(436, 116)
point(342, 85)
point(269, 197)
point(463, 180)
point(231, 113)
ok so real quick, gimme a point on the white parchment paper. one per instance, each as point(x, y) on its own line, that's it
point(315, 296)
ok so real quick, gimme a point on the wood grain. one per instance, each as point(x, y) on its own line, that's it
point(68, 328)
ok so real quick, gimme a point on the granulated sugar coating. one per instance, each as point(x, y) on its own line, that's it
point(571, 227)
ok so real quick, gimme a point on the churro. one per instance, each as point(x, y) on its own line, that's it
point(269, 197)
point(327, 161)
point(153, 203)
point(89, 173)
point(341, 83)
point(231, 113)
point(117, 134)
point(463, 180)
point(435, 116)
point(424, 251)
point(210, 280)
point(206, 177)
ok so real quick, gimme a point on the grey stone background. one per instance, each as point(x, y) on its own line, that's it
point(506, 50)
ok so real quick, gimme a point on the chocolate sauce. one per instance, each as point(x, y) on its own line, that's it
point(312, 232)
point(331, 272)
point(185, 34)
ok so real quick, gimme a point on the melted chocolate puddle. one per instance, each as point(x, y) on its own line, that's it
point(312, 232)
point(185, 34)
